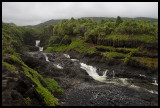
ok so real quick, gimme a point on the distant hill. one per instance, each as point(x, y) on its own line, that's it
point(11, 23)
point(105, 18)
point(146, 18)
point(55, 21)
point(52, 21)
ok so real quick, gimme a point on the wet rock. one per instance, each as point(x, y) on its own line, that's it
point(81, 89)
point(105, 95)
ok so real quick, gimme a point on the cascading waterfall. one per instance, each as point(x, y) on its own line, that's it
point(37, 45)
point(113, 74)
point(92, 72)
point(142, 75)
point(104, 73)
point(66, 55)
point(74, 60)
point(58, 66)
point(46, 57)
point(40, 48)
point(155, 82)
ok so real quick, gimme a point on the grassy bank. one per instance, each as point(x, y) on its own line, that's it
point(142, 38)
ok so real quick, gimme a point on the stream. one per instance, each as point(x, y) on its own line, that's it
point(139, 85)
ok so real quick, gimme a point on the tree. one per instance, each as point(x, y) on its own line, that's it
point(118, 20)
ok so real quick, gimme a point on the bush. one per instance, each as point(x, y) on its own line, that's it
point(66, 40)
point(54, 40)
point(133, 26)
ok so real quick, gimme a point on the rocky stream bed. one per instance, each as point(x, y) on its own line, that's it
point(123, 85)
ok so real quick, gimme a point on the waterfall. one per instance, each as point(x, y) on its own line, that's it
point(113, 74)
point(40, 48)
point(67, 56)
point(37, 43)
point(104, 73)
point(46, 57)
point(58, 66)
point(74, 60)
point(155, 82)
point(92, 72)
point(142, 75)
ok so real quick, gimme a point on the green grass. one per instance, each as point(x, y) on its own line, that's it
point(119, 37)
point(91, 50)
point(143, 38)
point(112, 54)
point(77, 45)
point(130, 49)
point(27, 100)
point(129, 54)
point(149, 62)
point(49, 99)
point(106, 47)
point(10, 67)
point(52, 85)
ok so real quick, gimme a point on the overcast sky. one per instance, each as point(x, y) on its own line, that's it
point(31, 13)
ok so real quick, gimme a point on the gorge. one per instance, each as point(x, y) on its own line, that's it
point(80, 63)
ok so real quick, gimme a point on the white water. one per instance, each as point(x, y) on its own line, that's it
point(142, 75)
point(37, 43)
point(104, 73)
point(124, 80)
point(113, 74)
point(58, 66)
point(74, 60)
point(155, 83)
point(152, 91)
point(92, 72)
point(67, 56)
point(134, 86)
point(46, 57)
point(40, 48)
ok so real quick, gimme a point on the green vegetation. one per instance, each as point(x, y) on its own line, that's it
point(148, 62)
point(143, 38)
point(129, 54)
point(14, 42)
point(112, 54)
point(27, 100)
point(106, 47)
point(132, 29)
point(53, 86)
point(34, 76)
point(48, 97)
point(10, 67)
point(84, 35)
point(118, 21)
point(130, 49)
point(77, 45)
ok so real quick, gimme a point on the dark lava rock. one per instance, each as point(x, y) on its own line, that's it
point(106, 95)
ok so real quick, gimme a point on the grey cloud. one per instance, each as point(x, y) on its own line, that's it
point(31, 13)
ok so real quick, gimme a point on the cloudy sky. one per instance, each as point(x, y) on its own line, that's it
point(31, 13)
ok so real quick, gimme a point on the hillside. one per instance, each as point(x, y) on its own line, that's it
point(52, 21)
point(11, 23)
point(55, 21)
point(80, 62)
point(138, 18)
